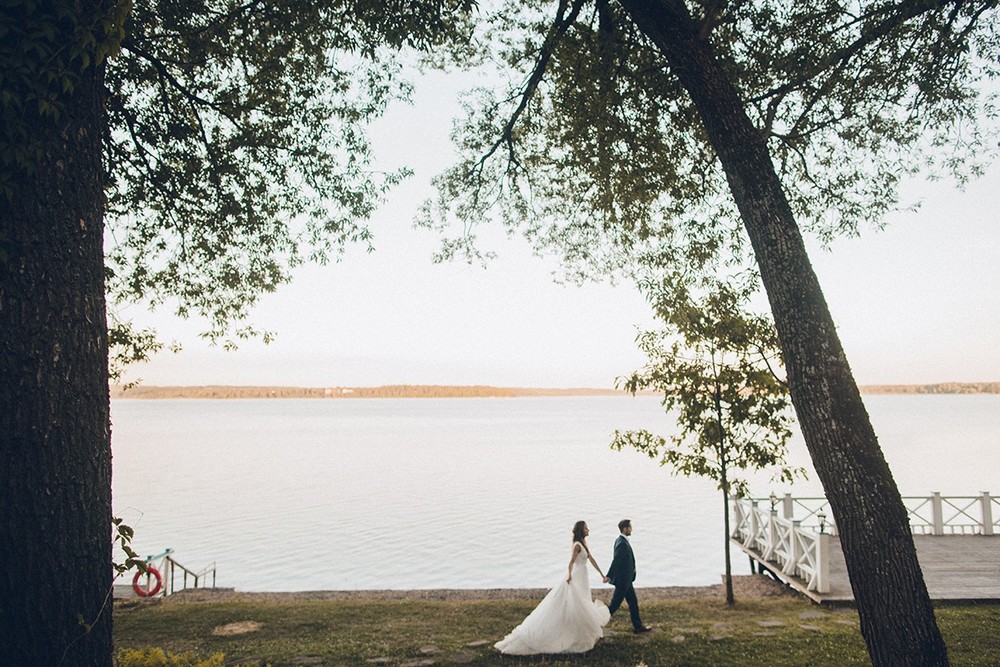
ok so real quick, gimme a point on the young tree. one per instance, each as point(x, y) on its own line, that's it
point(714, 365)
point(225, 140)
point(657, 123)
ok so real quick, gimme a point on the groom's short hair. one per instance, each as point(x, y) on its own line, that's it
point(623, 524)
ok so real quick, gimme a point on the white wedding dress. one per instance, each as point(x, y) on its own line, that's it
point(567, 620)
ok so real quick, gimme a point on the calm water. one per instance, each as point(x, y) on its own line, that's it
point(305, 494)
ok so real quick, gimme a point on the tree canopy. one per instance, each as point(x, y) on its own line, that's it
point(599, 153)
point(237, 147)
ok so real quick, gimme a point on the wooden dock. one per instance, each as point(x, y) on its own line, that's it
point(956, 568)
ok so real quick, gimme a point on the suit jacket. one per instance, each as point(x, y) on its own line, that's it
point(622, 569)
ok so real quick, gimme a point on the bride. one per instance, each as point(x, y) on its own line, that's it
point(568, 619)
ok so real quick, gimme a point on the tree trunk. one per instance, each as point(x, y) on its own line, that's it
point(730, 598)
point(897, 619)
point(724, 484)
point(55, 454)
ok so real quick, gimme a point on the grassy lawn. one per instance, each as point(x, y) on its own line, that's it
point(770, 631)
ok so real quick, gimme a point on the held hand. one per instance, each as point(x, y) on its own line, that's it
point(606, 580)
point(569, 578)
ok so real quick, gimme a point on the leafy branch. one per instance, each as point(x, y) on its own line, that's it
point(123, 535)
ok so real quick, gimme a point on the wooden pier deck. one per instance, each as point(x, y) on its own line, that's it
point(955, 567)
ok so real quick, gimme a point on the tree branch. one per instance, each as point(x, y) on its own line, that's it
point(129, 44)
point(559, 27)
point(906, 10)
point(770, 369)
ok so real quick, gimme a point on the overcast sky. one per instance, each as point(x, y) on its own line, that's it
point(915, 303)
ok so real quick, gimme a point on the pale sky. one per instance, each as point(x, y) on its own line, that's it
point(915, 303)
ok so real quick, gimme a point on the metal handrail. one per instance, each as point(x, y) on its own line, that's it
point(197, 577)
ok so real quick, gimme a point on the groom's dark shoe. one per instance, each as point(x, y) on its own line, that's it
point(645, 628)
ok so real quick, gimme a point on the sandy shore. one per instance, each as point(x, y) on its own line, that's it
point(746, 586)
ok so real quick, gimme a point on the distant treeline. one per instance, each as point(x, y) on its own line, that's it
point(940, 388)
point(387, 391)
point(476, 391)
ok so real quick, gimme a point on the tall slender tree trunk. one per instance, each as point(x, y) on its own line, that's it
point(724, 483)
point(730, 597)
point(55, 455)
point(897, 619)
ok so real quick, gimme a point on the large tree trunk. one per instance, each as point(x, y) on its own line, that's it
point(897, 619)
point(55, 454)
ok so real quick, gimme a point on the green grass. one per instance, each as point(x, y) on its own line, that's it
point(394, 632)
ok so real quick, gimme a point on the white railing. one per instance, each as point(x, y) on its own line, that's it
point(941, 515)
point(928, 515)
point(794, 533)
point(796, 550)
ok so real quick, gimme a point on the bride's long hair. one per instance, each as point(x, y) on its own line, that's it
point(578, 535)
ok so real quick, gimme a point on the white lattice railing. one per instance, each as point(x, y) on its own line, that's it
point(944, 515)
point(794, 533)
point(794, 549)
point(929, 515)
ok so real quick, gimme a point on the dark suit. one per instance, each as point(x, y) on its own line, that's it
point(621, 574)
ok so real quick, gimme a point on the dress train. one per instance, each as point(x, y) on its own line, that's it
point(567, 620)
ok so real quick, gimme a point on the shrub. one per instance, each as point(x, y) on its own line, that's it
point(157, 657)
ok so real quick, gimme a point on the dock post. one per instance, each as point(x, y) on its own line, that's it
point(737, 518)
point(987, 504)
point(751, 539)
point(794, 549)
point(771, 542)
point(823, 563)
point(788, 506)
point(937, 514)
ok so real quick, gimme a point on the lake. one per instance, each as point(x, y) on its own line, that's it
point(336, 494)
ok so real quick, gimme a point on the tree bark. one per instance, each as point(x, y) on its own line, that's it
point(55, 453)
point(724, 483)
point(730, 598)
point(897, 619)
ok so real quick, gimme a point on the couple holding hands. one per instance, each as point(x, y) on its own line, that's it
point(568, 619)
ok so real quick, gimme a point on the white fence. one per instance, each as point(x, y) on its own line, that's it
point(794, 533)
point(797, 550)
point(968, 515)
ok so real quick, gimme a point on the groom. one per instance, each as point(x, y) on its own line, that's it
point(621, 574)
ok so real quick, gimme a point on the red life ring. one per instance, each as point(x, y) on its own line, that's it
point(147, 592)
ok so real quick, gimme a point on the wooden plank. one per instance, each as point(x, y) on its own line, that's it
point(955, 568)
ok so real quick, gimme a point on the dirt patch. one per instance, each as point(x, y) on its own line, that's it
point(238, 628)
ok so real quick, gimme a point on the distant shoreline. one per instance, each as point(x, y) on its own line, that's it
point(471, 391)
point(384, 391)
point(939, 388)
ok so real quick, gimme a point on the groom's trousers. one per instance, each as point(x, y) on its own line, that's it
point(626, 593)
